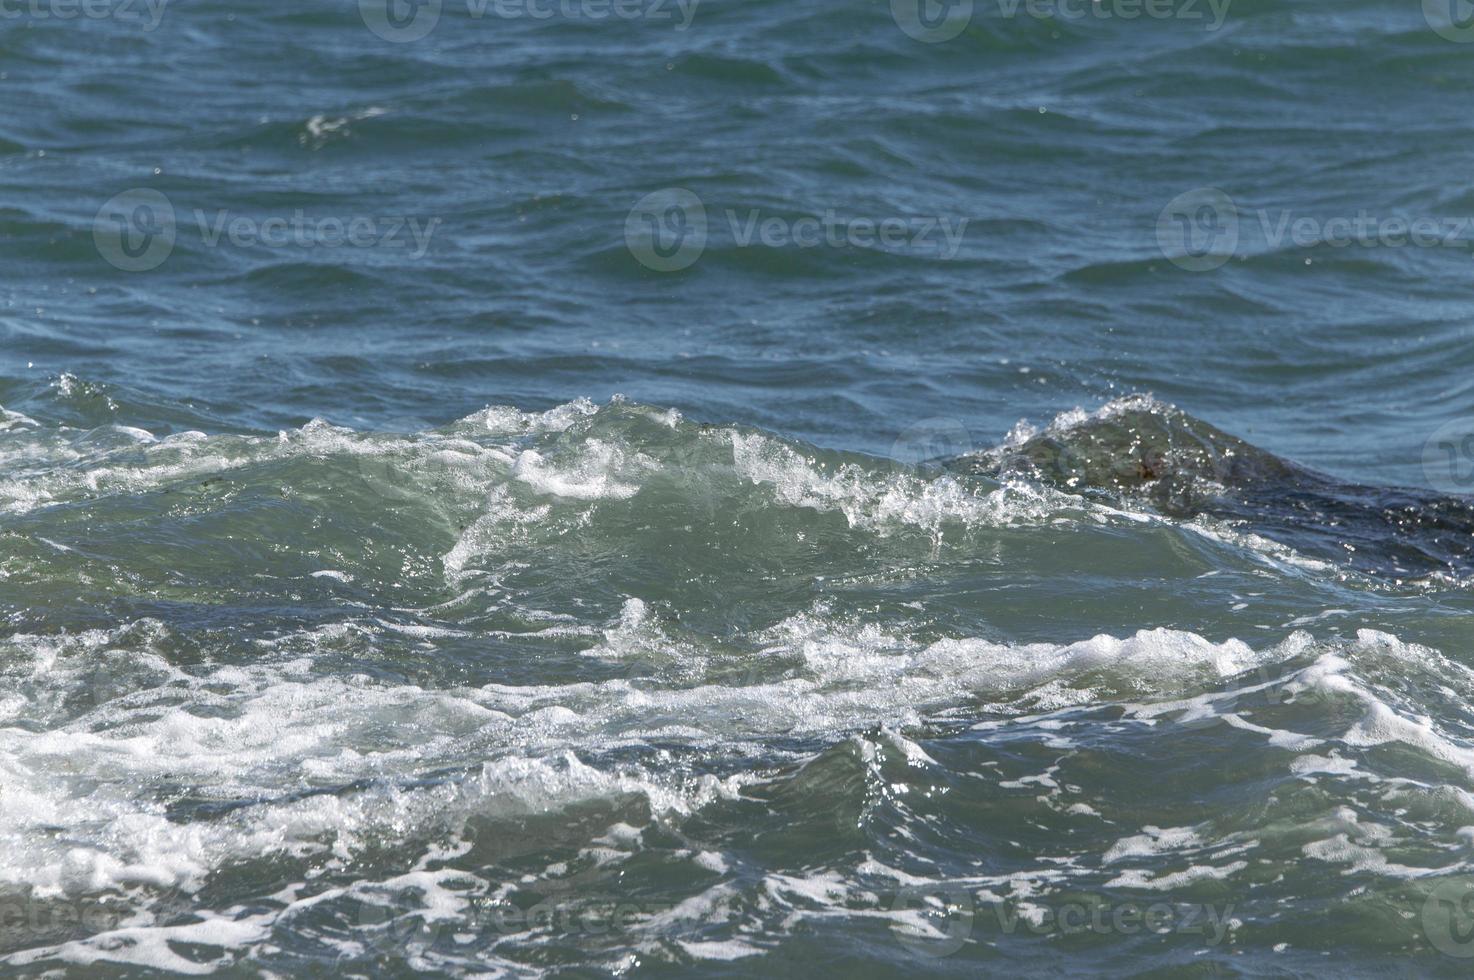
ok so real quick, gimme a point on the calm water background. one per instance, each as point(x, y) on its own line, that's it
point(303, 638)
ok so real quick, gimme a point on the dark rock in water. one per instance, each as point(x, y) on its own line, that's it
point(1181, 466)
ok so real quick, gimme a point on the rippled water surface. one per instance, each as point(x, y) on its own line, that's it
point(736, 488)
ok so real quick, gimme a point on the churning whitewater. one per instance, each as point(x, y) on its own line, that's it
point(603, 684)
point(1035, 537)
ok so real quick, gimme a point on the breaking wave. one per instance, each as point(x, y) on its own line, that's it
point(442, 698)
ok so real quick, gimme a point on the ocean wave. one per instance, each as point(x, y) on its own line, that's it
point(534, 656)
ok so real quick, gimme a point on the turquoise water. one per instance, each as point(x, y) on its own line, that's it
point(735, 489)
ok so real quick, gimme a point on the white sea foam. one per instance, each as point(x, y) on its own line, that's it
point(326, 767)
point(246, 731)
point(874, 501)
point(593, 476)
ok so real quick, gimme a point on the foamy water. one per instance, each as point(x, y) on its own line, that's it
point(484, 687)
